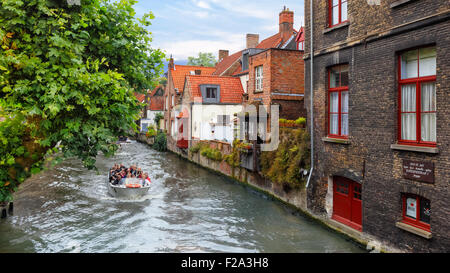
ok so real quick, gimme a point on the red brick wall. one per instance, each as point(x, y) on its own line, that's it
point(283, 72)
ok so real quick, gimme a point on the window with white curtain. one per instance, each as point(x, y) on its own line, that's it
point(337, 12)
point(338, 96)
point(259, 78)
point(418, 96)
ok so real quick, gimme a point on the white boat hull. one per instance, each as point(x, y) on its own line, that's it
point(120, 191)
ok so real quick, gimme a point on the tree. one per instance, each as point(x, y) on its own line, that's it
point(203, 59)
point(68, 75)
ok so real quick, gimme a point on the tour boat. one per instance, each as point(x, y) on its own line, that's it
point(123, 140)
point(130, 188)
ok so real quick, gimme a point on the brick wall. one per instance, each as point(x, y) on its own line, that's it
point(373, 122)
point(283, 73)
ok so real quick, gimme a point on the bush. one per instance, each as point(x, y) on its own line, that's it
point(210, 153)
point(157, 118)
point(300, 120)
point(160, 142)
point(151, 132)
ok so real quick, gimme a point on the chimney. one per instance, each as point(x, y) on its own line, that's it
point(252, 40)
point(286, 24)
point(223, 54)
point(171, 63)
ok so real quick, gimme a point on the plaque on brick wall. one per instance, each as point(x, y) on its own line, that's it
point(419, 171)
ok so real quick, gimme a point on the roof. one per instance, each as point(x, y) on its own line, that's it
point(181, 71)
point(271, 42)
point(140, 97)
point(230, 87)
point(300, 35)
point(227, 63)
point(156, 102)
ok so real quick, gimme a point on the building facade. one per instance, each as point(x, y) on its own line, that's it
point(381, 118)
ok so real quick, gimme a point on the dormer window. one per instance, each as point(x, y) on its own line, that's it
point(210, 93)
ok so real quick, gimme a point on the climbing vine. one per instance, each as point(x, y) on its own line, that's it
point(284, 165)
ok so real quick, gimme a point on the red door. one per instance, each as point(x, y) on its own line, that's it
point(347, 203)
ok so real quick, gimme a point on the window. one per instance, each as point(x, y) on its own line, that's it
point(416, 211)
point(337, 12)
point(173, 100)
point(417, 97)
point(301, 45)
point(210, 93)
point(223, 120)
point(259, 78)
point(338, 101)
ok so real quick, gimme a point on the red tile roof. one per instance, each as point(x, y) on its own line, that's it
point(230, 87)
point(139, 97)
point(271, 42)
point(181, 71)
point(227, 62)
point(156, 102)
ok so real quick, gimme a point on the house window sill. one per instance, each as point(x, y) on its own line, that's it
point(399, 3)
point(411, 148)
point(258, 92)
point(336, 140)
point(423, 233)
point(335, 27)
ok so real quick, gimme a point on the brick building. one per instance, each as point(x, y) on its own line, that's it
point(381, 118)
point(174, 89)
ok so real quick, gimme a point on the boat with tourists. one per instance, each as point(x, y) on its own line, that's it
point(127, 182)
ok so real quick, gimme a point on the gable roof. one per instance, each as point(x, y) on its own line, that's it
point(273, 41)
point(230, 87)
point(179, 72)
point(300, 35)
point(227, 62)
point(156, 102)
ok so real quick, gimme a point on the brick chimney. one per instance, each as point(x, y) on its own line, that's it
point(286, 24)
point(223, 54)
point(171, 63)
point(252, 40)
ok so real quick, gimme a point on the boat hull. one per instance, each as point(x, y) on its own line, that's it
point(123, 192)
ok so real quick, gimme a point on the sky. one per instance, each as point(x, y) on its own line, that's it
point(183, 28)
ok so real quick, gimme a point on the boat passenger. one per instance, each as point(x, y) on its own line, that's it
point(145, 180)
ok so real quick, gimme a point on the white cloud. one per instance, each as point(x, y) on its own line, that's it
point(181, 50)
point(202, 4)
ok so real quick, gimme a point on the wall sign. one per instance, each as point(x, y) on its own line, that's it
point(419, 171)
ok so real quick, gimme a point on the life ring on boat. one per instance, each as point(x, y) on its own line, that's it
point(133, 186)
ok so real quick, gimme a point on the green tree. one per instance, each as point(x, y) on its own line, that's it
point(67, 78)
point(203, 59)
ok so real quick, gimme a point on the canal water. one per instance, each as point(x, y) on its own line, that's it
point(188, 209)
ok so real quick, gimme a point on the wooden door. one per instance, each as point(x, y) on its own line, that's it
point(347, 202)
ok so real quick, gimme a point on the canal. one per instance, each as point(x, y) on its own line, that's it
point(188, 209)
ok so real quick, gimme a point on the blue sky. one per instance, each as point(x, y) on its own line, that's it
point(185, 27)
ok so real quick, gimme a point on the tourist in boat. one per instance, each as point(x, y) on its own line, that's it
point(145, 180)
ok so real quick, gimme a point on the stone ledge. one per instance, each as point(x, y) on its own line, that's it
point(417, 231)
point(336, 140)
point(411, 148)
point(399, 3)
point(335, 27)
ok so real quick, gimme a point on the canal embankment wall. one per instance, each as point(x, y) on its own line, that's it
point(296, 198)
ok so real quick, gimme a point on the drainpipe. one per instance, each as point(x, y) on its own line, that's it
point(311, 90)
